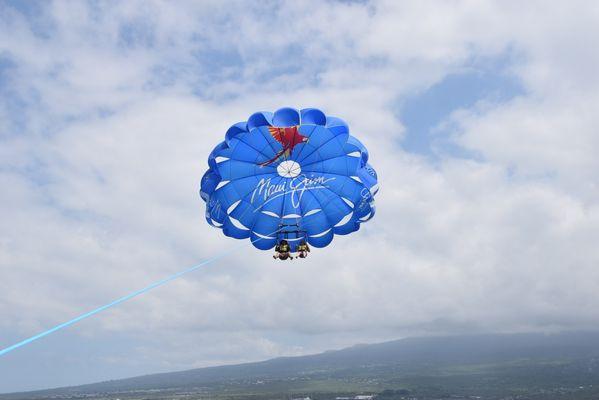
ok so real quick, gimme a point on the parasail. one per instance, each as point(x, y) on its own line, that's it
point(294, 175)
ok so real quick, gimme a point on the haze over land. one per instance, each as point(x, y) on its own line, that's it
point(480, 118)
point(525, 366)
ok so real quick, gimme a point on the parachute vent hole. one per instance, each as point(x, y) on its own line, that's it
point(289, 169)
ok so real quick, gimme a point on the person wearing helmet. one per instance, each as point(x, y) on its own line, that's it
point(283, 251)
point(303, 249)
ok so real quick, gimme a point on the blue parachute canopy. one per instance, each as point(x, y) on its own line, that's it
point(294, 175)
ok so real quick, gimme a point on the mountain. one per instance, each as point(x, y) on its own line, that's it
point(439, 365)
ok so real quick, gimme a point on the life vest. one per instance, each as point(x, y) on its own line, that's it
point(302, 247)
point(283, 248)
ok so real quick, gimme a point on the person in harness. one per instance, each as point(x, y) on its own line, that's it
point(303, 249)
point(283, 251)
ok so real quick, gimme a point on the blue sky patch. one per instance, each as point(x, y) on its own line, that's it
point(422, 113)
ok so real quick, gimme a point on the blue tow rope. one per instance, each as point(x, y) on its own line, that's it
point(111, 304)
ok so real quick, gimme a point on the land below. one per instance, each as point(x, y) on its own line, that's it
point(519, 366)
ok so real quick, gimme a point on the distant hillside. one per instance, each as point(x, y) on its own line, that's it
point(392, 360)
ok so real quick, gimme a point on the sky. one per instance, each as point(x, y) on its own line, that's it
point(480, 118)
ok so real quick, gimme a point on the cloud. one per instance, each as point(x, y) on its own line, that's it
point(108, 115)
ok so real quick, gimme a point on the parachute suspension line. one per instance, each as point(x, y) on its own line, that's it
point(123, 299)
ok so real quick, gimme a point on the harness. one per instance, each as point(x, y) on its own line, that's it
point(291, 233)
